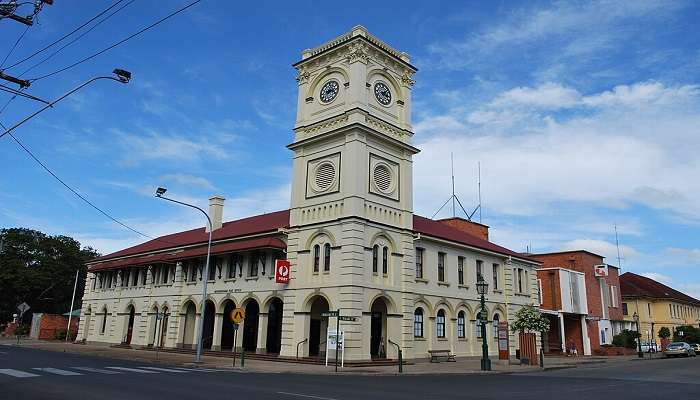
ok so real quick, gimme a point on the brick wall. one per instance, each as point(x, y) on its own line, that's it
point(52, 323)
point(473, 228)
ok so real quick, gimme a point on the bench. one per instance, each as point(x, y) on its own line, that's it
point(435, 355)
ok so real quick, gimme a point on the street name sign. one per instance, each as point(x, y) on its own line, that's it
point(329, 314)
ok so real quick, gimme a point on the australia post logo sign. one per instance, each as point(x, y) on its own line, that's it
point(282, 271)
point(601, 270)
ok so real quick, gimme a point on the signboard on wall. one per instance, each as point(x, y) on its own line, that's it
point(503, 352)
point(601, 270)
point(283, 271)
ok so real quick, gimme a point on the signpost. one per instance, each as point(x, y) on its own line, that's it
point(336, 340)
point(503, 351)
point(282, 271)
point(237, 317)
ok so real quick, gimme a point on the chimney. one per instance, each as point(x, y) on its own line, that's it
point(473, 228)
point(216, 212)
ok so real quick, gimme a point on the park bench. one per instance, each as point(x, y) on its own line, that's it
point(436, 355)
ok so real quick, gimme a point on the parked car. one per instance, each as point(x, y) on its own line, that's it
point(696, 347)
point(678, 349)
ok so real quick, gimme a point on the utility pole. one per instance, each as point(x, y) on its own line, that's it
point(8, 9)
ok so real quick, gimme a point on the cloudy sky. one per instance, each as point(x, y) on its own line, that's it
point(583, 116)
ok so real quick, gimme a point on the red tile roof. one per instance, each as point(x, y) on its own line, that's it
point(242, 227)
point(439, 230)
point(634, 285)
point(268, 223)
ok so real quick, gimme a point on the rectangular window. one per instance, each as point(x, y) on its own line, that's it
point(479, 267)
point(233, 260)
point(419, 263)
point(385, 260)
point(253, 265)
point(440, 324)
point(317, 257)
point(520, 280)
point(649, 309)
point(327, 257)
point(212, 267)
point(496, 273)
point(460, 270)
point(375, 258)
point(418, 323)
point(144, 272)
point(441, 267)
point(460, 325)
point(135, 277)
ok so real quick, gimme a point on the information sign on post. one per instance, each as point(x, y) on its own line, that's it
point(503, 351)
point(334, 341)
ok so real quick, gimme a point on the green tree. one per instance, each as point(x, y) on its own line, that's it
point(39, 269)
point(626, 338)
point(691, 334)
point(664, 332)
point(528, 318)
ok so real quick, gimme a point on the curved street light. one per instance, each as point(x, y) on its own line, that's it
point(205, 275)
point(122, 76)
point(482, 287)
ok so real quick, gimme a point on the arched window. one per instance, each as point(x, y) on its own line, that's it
point(385, 260)
point(327, 257)
point(375, 256)
point(418, 322)
point(496, 318)
point(477, 323)
point(440, 325)
point(317, 254)
point(104, 321)
point(460, 325)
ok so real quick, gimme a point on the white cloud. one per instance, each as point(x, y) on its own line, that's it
point(682, 257)
point(642, 94)
point(548, 95)
point(156, 146)
point(665, 279)
point(188, 180)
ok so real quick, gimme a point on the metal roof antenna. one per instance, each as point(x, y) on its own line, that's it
point(453, 198)
point(617, 244)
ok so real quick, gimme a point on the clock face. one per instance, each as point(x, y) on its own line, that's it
point(382, 93)
point(329, 91)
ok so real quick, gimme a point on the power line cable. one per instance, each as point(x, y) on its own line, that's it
point(65, 36)
point(20, 93)
point(119, 42)
point(77, 38)
point(83, 198)
point(14, 46)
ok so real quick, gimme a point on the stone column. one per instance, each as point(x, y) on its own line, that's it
point(218, 323)
point(562, 333)
point(195, 339)
point(262, 333)
point(584, 334)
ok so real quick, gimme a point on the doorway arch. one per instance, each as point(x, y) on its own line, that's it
point(378, 328)
point(130, 324)
point(190, 318)
point(208, 326)
point(274, 326)
point(250, 326)
point(318, 326)
point(227, 325)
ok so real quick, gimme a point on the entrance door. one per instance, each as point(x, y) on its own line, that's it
point(163, 328)
point(250, 326)
point(376, 334)
point(130, 327)
point(314, 337)
point(274, 327)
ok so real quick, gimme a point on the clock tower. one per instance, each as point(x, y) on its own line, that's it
point(350, 238)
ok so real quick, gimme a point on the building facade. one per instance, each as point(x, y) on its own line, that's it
point(657, 306)
point(581, 296)
point(350, 235)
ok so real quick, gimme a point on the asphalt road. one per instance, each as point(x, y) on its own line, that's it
point(36, 374)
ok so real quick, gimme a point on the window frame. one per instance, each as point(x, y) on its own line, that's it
point(316, 258)
point(460, 270)
point(419, 262)
point(375, 259)
point(418, 322)
point(461, 331)
point(326, 257)
point(441, 266)
point(385, 260)
point(440, 324)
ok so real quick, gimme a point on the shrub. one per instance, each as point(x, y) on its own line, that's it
point(664, 333)
point(529, 318)
point(626, 338)
point(22, 330)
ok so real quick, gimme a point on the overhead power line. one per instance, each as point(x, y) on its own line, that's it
point(174, 13)
point(75, 192)
point(55, 42)
point(14, 46)
point(77, 38)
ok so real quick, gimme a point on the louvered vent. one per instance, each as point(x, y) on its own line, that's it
point(325, 174)
point(382, 178)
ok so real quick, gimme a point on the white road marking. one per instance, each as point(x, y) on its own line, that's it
point(166, 370)
point(141, 371)
point(16, 373)
point(97, 370)
point(58, 371)
point(200, 369)
point(308, 396)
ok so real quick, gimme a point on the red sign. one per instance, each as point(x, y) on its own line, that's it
point(601, 270)
point(282, 271)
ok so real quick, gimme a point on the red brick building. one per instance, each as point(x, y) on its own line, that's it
point(580, 294)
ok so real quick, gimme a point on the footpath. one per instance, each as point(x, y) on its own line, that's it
point(463, 365)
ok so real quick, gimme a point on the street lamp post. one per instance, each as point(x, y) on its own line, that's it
point(640, 354)
point(482, 287)
point(122, 76)
point(205, 275)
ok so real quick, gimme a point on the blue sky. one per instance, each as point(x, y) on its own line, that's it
point(583, 115)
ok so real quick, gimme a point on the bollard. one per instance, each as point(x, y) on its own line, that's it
point(242, 358)
point(400, 361)
point(542, 358)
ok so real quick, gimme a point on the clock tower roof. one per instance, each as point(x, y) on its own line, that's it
point(358, 32)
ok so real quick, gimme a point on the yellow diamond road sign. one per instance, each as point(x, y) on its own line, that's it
point(237, 315)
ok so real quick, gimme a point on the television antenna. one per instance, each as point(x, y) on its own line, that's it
point(455, 200)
